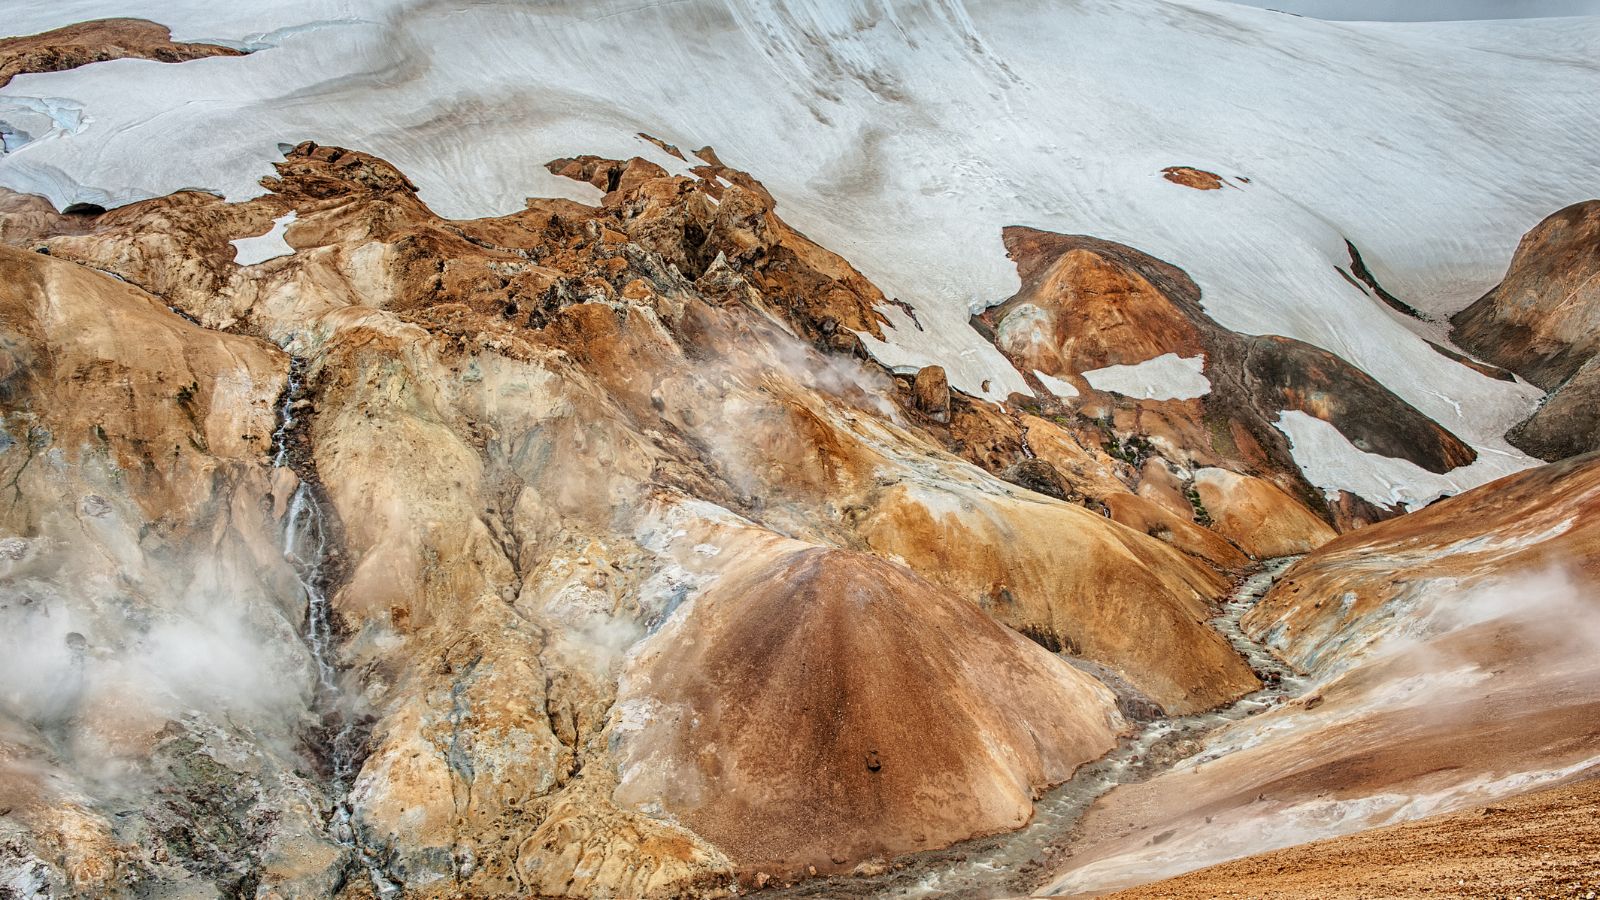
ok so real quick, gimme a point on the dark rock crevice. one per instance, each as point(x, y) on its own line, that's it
point(1358, 268)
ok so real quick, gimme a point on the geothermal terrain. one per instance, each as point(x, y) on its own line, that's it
point(802, 448)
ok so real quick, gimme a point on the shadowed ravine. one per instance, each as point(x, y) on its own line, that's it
point(340, 737)
point(1019, 862)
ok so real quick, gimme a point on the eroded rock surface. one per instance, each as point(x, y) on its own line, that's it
point(157, 697)
point(1543, 323)
point(1087, 304)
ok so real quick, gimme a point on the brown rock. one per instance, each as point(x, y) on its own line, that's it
point(1038, 476)
point(1087, 303)
point(930, 392)
point(1199, 179)
point(1567, 423)
point(97, 41)
point(1543, 322)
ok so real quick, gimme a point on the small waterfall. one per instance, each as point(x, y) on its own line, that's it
point(306, 547)
point(286, 417)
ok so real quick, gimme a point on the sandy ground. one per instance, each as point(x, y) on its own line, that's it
point(1545, 844)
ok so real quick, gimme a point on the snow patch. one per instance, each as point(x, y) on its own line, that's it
point(1428, 10)
point(1062, 389)
point(249, 251)
point(26, 119)
point(1167, 377)
point(971, 364)
point(1331, 462)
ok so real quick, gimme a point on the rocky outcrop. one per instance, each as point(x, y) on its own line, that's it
point(546, 441)
point(97, 41)
point(1567, 423)
point(728, 221)
point(1087, 304)
point(1543, 320)
point(930, 393)
point(1543, 323)
point(1190, 177)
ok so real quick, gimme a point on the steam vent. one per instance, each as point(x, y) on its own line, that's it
point(832, 449)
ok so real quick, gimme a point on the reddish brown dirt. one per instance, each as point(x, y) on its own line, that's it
point(97, 41)
point(1545, 844)
point(1199, 179)
point(825, 707)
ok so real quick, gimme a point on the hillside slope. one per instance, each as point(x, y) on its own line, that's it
point(1542, 845)
point(1451, 661)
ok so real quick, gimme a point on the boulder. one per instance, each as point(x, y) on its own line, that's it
point(930, 393)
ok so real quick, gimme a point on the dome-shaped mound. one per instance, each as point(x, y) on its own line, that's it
point(818, 707)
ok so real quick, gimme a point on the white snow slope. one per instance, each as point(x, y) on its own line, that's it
point(1429, 10)
point(906, 134)
point(249, 251)
point(1167, 377)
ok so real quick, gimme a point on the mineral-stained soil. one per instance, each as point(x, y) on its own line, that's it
point(1541, 845)
point(1450, 658)
point(778, 723)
